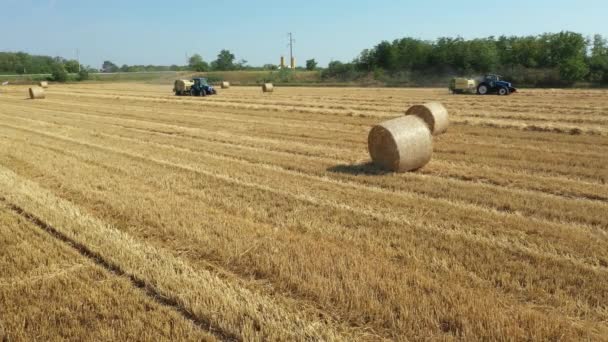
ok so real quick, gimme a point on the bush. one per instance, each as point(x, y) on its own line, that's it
point(83, 74)
point(341, 71)
point(280, 76)
point(58, 73)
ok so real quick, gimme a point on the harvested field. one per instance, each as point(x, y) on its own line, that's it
point(127, 211)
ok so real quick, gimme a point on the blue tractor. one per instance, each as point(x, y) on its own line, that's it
point(201, 87)
point(491, 84)
point(196, 87)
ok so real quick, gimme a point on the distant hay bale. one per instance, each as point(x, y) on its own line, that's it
point(434, 114)
point(402, 144)
point(43, 84)
point(268, 88)
point(225, 85)
point(36, 93)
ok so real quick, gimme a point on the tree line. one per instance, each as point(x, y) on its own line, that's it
point(550, 59)
point(556, 59)
point(23, 63)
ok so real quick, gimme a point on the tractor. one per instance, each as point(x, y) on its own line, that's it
point(492, 84)
point(196, 87)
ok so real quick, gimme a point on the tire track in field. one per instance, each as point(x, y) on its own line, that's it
point(200, 292)
point(535, 308)
point(504, 243)
point(422, 194)
point(112, 268)
point(517, 253)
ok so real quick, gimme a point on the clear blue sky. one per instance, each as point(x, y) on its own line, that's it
point(162, 32)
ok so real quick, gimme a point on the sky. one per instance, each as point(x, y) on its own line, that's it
point(165, 32)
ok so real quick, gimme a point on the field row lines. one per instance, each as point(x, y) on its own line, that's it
point(493, 240)
point(555, 127)
point(180, 128)
point(366, 111)
point(232, 140)
point(412, 194)
point(514, 253)
point(198, 292)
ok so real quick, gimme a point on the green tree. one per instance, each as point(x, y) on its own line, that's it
point(71, 66)
point(412, 54)
point(108, 66)
point(573, 69)
point(385, 56)
point(483, 55)
point(197, 63)
point(225, 61)
point(241, 64)
point(566, 46)
point(195, 60)
point(598, 62)
point(311, 64)
point(59, 73)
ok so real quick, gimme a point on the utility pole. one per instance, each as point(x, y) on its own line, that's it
point(78, 59)
point(291, 41)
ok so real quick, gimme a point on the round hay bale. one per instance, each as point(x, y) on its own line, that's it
point(36, 93)
point(43, 84)
point(268, 88)
point(434, 114)
point(402, 144)
point(225, 85)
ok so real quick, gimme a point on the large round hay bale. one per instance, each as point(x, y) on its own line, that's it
point(43, 84)
point(402, 144)
point(36, 93)
point(434, 114)
point(225, 85)
point(268, 88)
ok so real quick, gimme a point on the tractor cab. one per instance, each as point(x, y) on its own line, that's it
point(201, 87)
point(492, 79)
point(200, 82)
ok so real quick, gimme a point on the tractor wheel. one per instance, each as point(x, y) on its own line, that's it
point(192, 92)
point(503, 91)
point(203, 93)
point(482, 89)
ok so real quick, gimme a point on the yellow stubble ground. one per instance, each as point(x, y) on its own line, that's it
point(258, 216)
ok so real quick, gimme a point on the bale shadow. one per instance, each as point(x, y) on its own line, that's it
point(367, 168)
